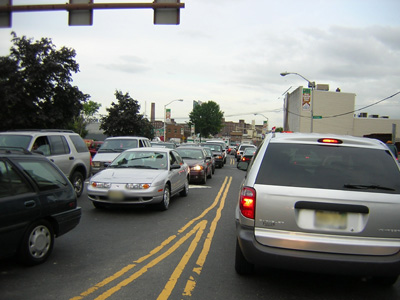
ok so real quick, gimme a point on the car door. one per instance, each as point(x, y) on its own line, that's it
point(61, 154)
point(19, 206)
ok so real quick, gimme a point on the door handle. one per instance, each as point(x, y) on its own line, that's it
point(30, 204)
point(71, 158)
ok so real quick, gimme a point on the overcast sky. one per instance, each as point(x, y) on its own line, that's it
point(230, 52)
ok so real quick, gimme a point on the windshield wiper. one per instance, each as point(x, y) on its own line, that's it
point(367, 187)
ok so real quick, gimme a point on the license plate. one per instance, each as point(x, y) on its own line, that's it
point(330, 219)
point(115, 195)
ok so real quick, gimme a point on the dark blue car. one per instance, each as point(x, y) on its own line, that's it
point(37, 204)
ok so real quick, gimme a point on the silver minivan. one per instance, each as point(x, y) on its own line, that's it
point(112, 147)
point(320, 203)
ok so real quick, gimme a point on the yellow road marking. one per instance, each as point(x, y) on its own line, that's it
point(198, 229)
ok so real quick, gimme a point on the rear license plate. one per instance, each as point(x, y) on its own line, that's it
point(116, 195)
point(330, 219)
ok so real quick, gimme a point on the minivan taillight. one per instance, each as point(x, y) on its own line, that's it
point(248, 202)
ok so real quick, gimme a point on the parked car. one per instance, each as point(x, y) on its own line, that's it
point(141, 176)
point(198, 161)
point(217, 153)
point(114, 146)
point(37, 204)
point(240, 150)
point(320, 203)
point(63, 147)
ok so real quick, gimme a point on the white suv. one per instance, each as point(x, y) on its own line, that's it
point(65, 148)
point(320, 203)
point(114, 146)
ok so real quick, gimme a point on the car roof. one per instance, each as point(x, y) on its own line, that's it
point(34, 132)
point(125, 138)
point(149, 149)
point(312, 138)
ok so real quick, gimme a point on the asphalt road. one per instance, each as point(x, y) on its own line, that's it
point(186, 252)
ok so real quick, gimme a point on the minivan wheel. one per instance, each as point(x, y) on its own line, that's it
point(78, 182)
point(242, 266)
point(37, 243)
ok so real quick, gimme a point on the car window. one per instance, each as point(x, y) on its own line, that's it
point(44, 174)
point(12, 183)
point(143, 160)
point(58, 145)
point(177, 157)
point(191, 153)
point(15, 140)
point(342, 168)
point(79, 144)
point(118, 145)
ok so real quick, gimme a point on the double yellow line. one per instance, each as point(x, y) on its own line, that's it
point(198, 225)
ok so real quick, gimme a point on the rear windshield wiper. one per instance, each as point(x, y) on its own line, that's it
point(367, 187)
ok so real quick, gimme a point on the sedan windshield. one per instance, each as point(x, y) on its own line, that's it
point(118, 145)
point(141, 160)
point(191, 153)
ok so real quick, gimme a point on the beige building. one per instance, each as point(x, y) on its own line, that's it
point(323, 111)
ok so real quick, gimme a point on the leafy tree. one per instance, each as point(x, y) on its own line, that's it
point(35, 85)
point(124, 118)
point(89, 109)
point(207, 118)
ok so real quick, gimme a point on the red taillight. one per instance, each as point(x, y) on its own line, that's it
point(248, 202)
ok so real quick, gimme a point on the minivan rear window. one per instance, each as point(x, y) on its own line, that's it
point(329, 167)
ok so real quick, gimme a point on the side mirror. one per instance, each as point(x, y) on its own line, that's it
point(243, 165)
point(175, 167)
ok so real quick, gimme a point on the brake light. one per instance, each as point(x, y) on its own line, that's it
point(248, 202)
point(330, 141)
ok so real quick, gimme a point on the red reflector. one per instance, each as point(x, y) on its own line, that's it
point(330, 141)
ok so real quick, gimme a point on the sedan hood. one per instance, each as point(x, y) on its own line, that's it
point(128, 175)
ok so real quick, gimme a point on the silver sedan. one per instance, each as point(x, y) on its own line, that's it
point(141, 176)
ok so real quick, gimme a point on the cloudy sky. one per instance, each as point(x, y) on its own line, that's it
point(231, 52)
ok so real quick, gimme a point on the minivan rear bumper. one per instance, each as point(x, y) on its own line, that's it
point(310, 261)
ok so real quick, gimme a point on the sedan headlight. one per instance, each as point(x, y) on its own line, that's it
point(96, 164)
point(138, 186)
point(197, 168)
point(100, 185)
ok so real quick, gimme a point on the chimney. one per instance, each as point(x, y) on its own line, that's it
point(153, 112)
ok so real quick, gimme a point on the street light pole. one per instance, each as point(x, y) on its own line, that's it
point(311, 84)
point(165, 117)
point(264, 117)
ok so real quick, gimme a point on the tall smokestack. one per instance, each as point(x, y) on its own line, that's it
point(153, 112)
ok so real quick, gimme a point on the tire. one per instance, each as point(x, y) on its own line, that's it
point(164, 204)
point(78, 182)
point(204, 181)
point(242, 266)
point(185, 190)
point(37, 243)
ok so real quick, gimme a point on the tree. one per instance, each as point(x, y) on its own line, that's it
point(35, 86)
point(207, 118)
point(89, 109)
point(124, 118)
